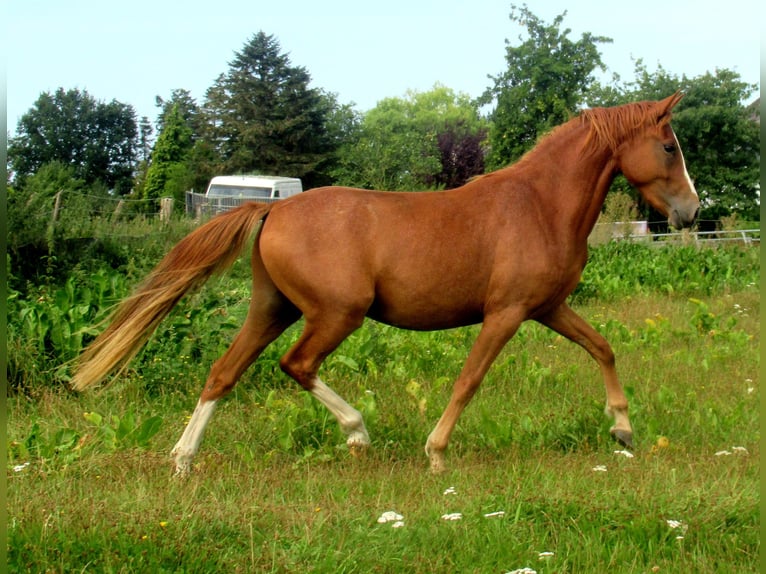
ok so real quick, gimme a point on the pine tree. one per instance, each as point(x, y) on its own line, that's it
point(263, 117)
point(167, 175)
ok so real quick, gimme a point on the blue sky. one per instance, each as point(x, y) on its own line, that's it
point(362, 51)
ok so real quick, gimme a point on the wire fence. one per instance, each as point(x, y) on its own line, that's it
point(74, 215)
point(199, 205)
point(744, 236)
point(705, 232)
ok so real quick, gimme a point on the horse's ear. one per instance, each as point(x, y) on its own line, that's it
point(666, 106)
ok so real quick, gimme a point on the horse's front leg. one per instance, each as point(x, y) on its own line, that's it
point(569, 324)
point(495, 333)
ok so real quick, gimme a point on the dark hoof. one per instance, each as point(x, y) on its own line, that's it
point(625, 438)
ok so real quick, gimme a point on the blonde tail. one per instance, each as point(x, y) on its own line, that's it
point(207, 250)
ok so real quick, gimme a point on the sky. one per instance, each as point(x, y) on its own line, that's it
point(362, 51)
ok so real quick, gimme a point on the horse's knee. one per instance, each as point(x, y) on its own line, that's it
point(601, 350)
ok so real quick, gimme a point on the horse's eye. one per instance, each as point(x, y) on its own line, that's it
point(670, 148)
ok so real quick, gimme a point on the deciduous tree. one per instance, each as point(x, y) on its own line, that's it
point(98, 140)
point(546, 82)
point(425, 140)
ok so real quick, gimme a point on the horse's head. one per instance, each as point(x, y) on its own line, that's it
point(652, 161)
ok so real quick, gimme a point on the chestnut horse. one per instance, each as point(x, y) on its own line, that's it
point(504, 248)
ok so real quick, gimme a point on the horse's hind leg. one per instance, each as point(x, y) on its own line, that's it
point(569, 324)
point(302, 361)
point(267, 318)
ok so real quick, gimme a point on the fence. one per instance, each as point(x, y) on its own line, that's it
point(744, 236)
point(198, 205)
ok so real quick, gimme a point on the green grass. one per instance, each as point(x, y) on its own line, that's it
point(275, 489)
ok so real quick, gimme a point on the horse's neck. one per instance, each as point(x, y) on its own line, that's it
point(572, 183)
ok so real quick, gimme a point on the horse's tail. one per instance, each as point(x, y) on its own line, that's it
point(207, 250)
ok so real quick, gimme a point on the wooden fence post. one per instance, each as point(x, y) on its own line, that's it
point(166, 208)
point(118, 209)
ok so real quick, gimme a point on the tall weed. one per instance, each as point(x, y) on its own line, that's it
point(50, 328)
point(620, 269)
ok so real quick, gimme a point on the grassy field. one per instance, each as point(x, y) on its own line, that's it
point(534, 475)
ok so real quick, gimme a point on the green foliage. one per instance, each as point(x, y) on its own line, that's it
point(422, 141)
point(389, 153)
point(96, 139)
point(57, 232)
point(63, 446)
point(124, 432)
point(48, 330)
point(30, 210)
point(52, 229)
point(546, 82)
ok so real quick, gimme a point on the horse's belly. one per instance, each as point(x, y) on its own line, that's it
point(424, 313)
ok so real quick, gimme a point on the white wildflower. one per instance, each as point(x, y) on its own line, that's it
point(544, 555)
point(625, 453)
point(452, 516)
point(389, 516)
point(450, 490)
point(674, 523)
point(678, 525)
point(20, 467)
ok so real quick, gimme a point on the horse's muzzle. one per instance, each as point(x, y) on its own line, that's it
point(680, 218)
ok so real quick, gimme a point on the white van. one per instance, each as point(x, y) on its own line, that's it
point(253, 187)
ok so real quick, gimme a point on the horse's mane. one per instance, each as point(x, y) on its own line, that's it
point(611, 127)
point(608, 127)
